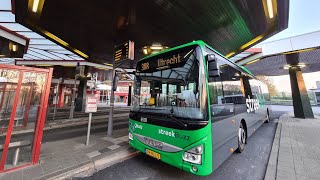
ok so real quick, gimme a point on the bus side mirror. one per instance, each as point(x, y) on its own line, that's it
point(213, 66)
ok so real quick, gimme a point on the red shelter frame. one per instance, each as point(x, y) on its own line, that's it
point(38, 133)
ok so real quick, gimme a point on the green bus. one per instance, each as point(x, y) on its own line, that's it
point(192, 107)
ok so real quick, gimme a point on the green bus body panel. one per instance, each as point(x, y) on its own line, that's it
point(197, 137)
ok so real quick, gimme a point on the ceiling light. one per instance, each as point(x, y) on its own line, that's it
point(35, 5)
point(156, 47)
point(230, 54)
point(270, 9)
point(253, 41)
point(253, 61)
point(14, 47)
point(145, 51)
point(301, 50)
point(2, 55)
point(299, 65)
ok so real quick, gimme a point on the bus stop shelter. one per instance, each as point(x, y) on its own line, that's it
point(24, 95)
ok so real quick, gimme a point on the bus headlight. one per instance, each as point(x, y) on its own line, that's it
point(130, 136)
point(194, 155)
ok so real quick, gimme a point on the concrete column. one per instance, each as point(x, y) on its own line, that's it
point(61, 96)
point(301, 103)
point(82, 89)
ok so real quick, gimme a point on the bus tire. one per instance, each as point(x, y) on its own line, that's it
point(268, 117)
point(242, 138)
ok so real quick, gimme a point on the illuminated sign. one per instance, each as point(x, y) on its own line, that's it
point(171, 59)
point(124, 51)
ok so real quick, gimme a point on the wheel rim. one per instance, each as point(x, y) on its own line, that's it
point(242, 137)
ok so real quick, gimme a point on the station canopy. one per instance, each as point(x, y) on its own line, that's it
point(91, 29)
point(276, 65)
point(38, 47)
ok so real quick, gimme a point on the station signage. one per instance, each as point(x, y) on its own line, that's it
point(169, 60)
point(124, 51)
point(91, 104)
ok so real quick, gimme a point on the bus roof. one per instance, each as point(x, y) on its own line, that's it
point(200, 43)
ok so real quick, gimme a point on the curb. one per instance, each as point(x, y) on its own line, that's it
point(92, 167)
point(271, 172)
point(115, 158)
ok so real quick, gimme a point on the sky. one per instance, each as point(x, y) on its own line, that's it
point(282, 83)
point(304, 17)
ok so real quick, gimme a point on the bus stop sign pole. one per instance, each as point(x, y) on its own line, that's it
point(110, 122)
point(91, 105)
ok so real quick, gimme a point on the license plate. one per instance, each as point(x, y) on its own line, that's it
point(153, 154)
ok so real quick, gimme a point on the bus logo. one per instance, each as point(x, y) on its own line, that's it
point(252, 104)
point(137, 126)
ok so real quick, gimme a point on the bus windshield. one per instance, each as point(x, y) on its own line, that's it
point(168, 86)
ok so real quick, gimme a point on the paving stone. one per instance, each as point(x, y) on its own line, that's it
point(123, 138)
point(93, 154)
point(48, 165)
point(108, 138)
point(286, 169)
point(300, 177)
point(104, 150)
point(79, 146)
point(114, 147)
point(123, 144)
point(117, 141)
point(285, 164)
point(288, 175)
point(6, 176)
point(51, 170)
point(67, 162)
point(17, 176)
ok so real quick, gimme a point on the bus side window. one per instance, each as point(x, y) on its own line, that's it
point(232, 85)
point(215, 90)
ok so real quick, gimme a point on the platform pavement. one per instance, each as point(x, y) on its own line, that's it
point(66, 158)
point(295, 153)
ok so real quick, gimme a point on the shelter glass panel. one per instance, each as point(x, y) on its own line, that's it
point(8, 85)
point(27, 115)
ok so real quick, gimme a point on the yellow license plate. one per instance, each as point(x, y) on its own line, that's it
point(153, 154)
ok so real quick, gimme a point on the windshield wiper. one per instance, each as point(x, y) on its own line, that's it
point(178, 121)
point(137, 112)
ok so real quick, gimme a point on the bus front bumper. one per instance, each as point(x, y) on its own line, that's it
point(174, 158)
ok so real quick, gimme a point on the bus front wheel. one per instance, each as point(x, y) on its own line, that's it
point(242, 138)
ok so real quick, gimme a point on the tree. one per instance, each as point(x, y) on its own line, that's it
point(271, 87)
